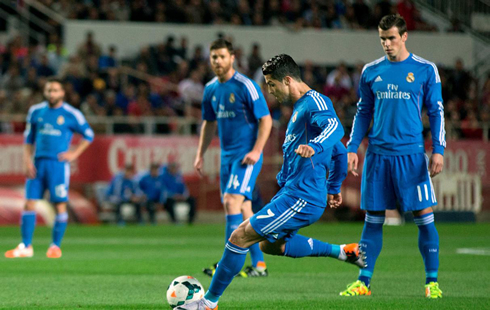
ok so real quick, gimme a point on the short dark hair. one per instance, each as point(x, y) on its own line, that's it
point(281, 66)
point(393, 20)
point(55, 80)
point(222, 43)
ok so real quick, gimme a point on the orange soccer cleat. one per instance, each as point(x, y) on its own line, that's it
point(54, 251)
point(20, 251)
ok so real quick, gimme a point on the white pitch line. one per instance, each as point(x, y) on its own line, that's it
point(474, 251)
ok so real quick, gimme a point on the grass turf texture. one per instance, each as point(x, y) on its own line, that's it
point(109, 267)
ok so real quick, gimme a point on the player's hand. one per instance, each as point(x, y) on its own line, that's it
point(251, 158)
point(30, 170)
point(305, 151)
point(198, 165)
point(352, 162)
point(435, 164)
point(335, 200)
point(68, 156)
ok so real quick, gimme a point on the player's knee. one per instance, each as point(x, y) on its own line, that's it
point(238, 236)
point(30, 205)
point(232, 204)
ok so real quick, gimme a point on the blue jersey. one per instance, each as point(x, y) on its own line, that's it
point(394, 93)
point(337, 171)
point(51, 129)
point(151, 186)
point(121, 189)
point(236, 105)
point(173, 184)
point(313, 122)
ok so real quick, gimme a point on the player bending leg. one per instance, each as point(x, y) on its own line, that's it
point(313, 133)
point(393, 89)
point(50, 126)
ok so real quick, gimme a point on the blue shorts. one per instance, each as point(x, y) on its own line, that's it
point(52, 175)
point(283, 217)
point(404, 178)
point(239, 179)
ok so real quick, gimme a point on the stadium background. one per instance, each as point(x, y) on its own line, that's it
point(139, 81)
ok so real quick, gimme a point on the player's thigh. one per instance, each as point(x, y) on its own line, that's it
point(58, 181)
point(283, 217)
point(412, 181)
point(242, 178)
point(36, 187)
point(377, 191)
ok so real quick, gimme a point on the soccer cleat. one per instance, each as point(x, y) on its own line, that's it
point(357, 288)
point(196, 305)
point(354, 255)
point(211, 270)
point(250, 272)
point(53, 252)
point(20, 251)
point(432, 290)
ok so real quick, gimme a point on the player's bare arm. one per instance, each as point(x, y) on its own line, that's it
point(352, 163)
point(265, 126)
point(29, 168)
point(71, 155)
point(436, 164)
point(208, 129)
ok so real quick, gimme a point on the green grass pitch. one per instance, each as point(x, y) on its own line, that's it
point(108, 267)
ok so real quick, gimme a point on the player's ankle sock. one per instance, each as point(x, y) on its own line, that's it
point(301, 246)
point(59, 228)
point(230, 265)
point(428, 245)
point(232, 223)
point(27, 226)
point(371, 243)
point(257, 257)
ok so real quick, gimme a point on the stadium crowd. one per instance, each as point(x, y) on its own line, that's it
point(167, 78)
point(334, 14)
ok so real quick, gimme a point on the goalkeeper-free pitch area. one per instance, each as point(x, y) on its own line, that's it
point(108, 267)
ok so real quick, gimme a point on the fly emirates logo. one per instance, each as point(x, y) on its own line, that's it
point(392, 93)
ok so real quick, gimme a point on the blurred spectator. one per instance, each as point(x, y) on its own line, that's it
point(406, 9)
point(151, 186)
point(459, 81)
point(123, 191)
point(109, 60)
point(255, 60)
point(176, 191)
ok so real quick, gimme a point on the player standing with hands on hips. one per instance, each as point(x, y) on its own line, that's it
point(393, 90)
point(50, 127)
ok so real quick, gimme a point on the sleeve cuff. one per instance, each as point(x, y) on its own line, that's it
point(317, 148)
point(352, 148)
point(438, 149)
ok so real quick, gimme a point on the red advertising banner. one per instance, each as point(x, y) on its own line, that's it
point(464, 184)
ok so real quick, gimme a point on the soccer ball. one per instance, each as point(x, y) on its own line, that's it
point(184, 290)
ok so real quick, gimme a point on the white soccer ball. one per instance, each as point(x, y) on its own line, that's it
point(184, 290)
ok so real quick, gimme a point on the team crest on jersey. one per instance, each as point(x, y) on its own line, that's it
point(60, 120)
point(410, 77)
point(295, 116)
point(232, 98)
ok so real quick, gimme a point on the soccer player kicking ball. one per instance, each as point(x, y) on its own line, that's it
point(49, 129)
point(312, 133)
point(234, 103)
point(393, 90)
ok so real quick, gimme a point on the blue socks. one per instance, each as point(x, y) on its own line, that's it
point(59, 228)
point(301, 246)
point(371, 242)
point(27, 226)
point(428, 245)
point(230, 264)
point(232, 223)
